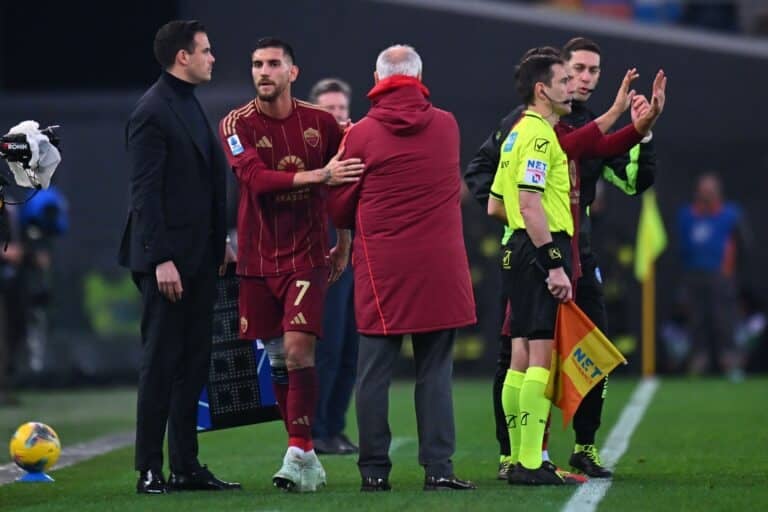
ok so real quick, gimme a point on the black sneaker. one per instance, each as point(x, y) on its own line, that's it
point(546, 474)
point(345, 445)
point(324, 446)
point(375, 484)
point(505, 467)
point(568, 477)
point(587, 461)
point(447, 483)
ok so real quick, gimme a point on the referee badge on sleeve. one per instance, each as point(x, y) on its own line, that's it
point(535, 173)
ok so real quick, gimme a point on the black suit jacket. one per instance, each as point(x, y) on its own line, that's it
point(177, 188)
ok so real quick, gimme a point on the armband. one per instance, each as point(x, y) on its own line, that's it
point(549, 256)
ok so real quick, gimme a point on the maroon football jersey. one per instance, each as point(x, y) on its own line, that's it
point(281, 229)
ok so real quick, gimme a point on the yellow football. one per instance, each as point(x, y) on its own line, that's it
point(35, 447)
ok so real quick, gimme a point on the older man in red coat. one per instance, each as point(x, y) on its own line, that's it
point(410, 264)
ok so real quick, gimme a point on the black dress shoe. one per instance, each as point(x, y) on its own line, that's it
point(151, 482)
point(199, 480)
point(344, 445)
point(447, 483)
point(324, 446)
point(375, 484)
point(336, 445)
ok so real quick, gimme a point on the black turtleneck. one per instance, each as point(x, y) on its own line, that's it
point(191, 110)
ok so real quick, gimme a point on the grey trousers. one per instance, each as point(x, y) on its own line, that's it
point(433, 397)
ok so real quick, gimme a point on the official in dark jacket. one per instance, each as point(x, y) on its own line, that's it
point(174, 239)
point(632, 173)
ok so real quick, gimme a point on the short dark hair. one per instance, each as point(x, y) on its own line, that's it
point(174, 36)
point(535, 66)
point(578, 44)
point(274, 42)
point(327, 85)
point(541, 50)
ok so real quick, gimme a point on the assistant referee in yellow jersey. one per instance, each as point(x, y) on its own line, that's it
point(530, 193)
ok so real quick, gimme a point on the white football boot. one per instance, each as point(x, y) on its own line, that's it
point(289, 477)
point(313, 473)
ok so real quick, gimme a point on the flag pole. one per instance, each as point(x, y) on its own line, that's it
point(649, 322)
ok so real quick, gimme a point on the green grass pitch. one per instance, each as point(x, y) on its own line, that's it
point(700, 446)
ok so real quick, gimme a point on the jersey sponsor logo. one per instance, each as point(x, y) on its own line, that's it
point(509, 143)
point(235, 147)
point(312, 137)
point(535, 173)
point(535, 178)
point(536, 165)
point(291, 163)
point(300, 194)
point(540, 145)
point(264, 142)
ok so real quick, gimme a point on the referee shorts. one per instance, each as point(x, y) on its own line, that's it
point(533, 308)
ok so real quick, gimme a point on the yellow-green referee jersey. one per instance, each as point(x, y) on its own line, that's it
point(532, 159)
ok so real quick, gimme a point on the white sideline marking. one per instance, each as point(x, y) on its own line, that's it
point(74, 454)
point(589, 495)
point(399, 442)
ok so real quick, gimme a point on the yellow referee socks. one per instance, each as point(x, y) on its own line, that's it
point(510, 402)
point(534, 409)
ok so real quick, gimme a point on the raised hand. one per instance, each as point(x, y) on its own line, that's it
point(640, 107)
point(659, 93)
point(625, 95)
point(645, 121)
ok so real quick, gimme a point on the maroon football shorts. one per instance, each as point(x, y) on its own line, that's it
point(269, 306)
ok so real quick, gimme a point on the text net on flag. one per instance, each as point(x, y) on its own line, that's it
point(582, 356)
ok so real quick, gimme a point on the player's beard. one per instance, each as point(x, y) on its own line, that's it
point(277, 90)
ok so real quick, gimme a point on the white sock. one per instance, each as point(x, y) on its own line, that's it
point(545, 455)
point(296, 451)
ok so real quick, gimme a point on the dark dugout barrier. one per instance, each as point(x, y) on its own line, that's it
point(713, 121)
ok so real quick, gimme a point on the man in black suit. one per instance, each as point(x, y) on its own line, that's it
point(173, 242)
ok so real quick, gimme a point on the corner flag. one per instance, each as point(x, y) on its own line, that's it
point(651, 236)
point(582, 356)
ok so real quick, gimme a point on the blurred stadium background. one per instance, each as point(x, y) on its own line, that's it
point(83, 64)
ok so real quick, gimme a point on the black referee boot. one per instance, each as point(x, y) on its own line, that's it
point(587, 461)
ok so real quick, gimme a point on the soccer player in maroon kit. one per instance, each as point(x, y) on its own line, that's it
point(283, 152)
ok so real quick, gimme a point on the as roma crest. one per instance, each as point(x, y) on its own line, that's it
point(312, 137)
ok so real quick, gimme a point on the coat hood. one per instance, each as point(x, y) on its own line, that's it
point(400, 103)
